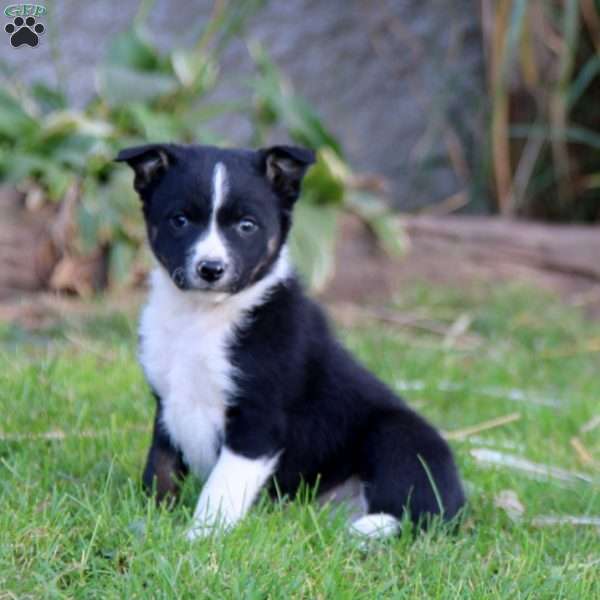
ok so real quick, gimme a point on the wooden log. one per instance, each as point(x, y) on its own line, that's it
point(460, 251)
point(570, 250)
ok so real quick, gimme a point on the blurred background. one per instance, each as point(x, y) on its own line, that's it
point(431, 120)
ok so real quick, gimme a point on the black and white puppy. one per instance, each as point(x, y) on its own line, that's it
point(252, 389)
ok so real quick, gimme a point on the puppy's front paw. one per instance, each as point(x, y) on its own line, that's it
point(201, 529)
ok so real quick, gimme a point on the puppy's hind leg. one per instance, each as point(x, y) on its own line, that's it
point(380, 525)
point(406, 467)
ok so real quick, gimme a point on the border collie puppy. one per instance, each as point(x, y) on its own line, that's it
point(252, 389)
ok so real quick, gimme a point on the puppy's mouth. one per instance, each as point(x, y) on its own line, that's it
point(190, 282)
point(179, 278)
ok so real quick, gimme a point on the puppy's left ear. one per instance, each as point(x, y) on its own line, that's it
point(284, 167)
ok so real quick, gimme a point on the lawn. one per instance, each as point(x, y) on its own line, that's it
point(75, 429)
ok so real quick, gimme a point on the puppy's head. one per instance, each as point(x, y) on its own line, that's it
point(216, 218)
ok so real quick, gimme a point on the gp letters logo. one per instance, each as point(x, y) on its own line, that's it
point(25, 28)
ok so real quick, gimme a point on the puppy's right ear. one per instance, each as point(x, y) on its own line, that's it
point(148, 162)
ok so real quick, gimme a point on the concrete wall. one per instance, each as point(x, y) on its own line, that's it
point(397, 80)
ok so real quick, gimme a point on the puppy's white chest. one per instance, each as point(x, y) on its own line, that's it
point(183, 351)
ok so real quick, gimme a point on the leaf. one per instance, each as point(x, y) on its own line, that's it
point(518, 18)
point(120, 199)
point(109, 213)
point(18, 165)
point(88, 219)
point(390, 234)
point(155, 126)
point(121, 85)
point(194, 69)
point(575, 135)
point(325, 182)
point(69, 151)
point(48, 99)
point(586, 75)
point(15, 123)
point(120, 262)
point(57, 180)
point(130, 49)
point(312, 243)
point(386, 226)
point(76, 121)
point(232, 21)
point(276, 98)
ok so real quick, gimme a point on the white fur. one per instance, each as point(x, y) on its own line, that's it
point(351, 495)
point(210, 245)
point(184, 337)
point(230, 491)
point(377, 525)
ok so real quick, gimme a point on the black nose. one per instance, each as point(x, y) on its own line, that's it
point(210, 270)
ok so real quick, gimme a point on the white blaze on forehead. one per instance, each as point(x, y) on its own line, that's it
point(220, 187)
point(211, 245)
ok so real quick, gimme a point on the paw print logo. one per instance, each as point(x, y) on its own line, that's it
point(24, 31)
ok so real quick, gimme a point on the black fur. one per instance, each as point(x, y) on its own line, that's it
point(175, 180)
point(299, 393)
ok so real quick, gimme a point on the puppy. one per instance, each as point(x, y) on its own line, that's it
point(252, 389)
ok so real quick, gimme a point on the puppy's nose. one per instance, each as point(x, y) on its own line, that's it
point(210, 270)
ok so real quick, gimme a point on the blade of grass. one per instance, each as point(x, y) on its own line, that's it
point(559, 106)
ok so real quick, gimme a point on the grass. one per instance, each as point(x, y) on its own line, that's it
point(74, 523)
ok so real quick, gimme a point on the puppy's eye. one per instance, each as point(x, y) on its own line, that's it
point(178, 221)
point(247, 226)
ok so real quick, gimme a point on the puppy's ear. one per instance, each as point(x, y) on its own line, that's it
point(148, 162)
point(284, 167)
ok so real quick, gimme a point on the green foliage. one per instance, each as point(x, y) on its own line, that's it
point(312, 242)
point(330, 183)
point(144, 95)
point(276, 103)
point(544, 67)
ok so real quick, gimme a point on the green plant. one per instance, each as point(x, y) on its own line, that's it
point(48, 148)
point(144, 95)
point(544, 62)
point(330, 187)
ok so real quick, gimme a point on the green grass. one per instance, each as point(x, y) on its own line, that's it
point(75, 524)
